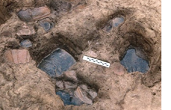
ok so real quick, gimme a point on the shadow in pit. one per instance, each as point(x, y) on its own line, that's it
point(43, 47)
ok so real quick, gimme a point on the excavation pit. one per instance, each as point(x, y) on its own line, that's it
point(75, 29)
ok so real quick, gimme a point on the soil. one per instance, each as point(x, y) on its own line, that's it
point(80, 31)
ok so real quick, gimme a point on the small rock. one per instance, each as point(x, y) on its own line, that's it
point(92, 54)
point(113, 23)
point(92, 93)
point(118, 69)
point(34, 14)
point(26, 43)
point(84, 87)
point(82, 96)
point(117, 21)
point(60, 85)
point(46, 24)
point(69, 85)
point(71, 75)
point(25, 31)
point(17, 56)
point(40, 13)
point(25, 15)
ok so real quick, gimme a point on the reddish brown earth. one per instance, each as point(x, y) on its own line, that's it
point(80, 32)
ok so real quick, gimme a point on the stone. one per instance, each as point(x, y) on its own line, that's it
point(34, 14)
point(82, 96)
point(46, 24)
point(71, 75)
point(41, 12)
point(60, 85)
point(92, 53)
point(26, 43)
point(118, 68)
point(25, 15)
point(91, 92)
point(25, 31)
point(117, 21)
point(56, 63)
point(17, 56)
point(70, 85)
point(84, 87)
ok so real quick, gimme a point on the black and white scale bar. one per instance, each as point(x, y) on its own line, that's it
point(96, 61)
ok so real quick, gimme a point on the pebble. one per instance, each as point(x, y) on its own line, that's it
point(47, 25)
point(60, 85)
point(82, 96)
point(26, 43)
point(71, 75)
point(118, 68)
point(91, 54)
point(17, 56)
point(91, 92)
point(117, 21)
point(69, 85)
point(113, 23)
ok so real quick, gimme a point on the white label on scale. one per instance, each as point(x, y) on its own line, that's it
point(96, 61)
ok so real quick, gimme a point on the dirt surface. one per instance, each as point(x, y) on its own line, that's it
point(80, 31)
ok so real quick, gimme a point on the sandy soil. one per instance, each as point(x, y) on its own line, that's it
point(80, 32)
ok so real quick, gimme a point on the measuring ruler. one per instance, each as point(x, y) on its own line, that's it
point(96, 61)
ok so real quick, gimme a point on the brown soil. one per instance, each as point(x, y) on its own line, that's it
point(80, 32)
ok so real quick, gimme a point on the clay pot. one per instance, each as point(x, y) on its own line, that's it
point(57, 62)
